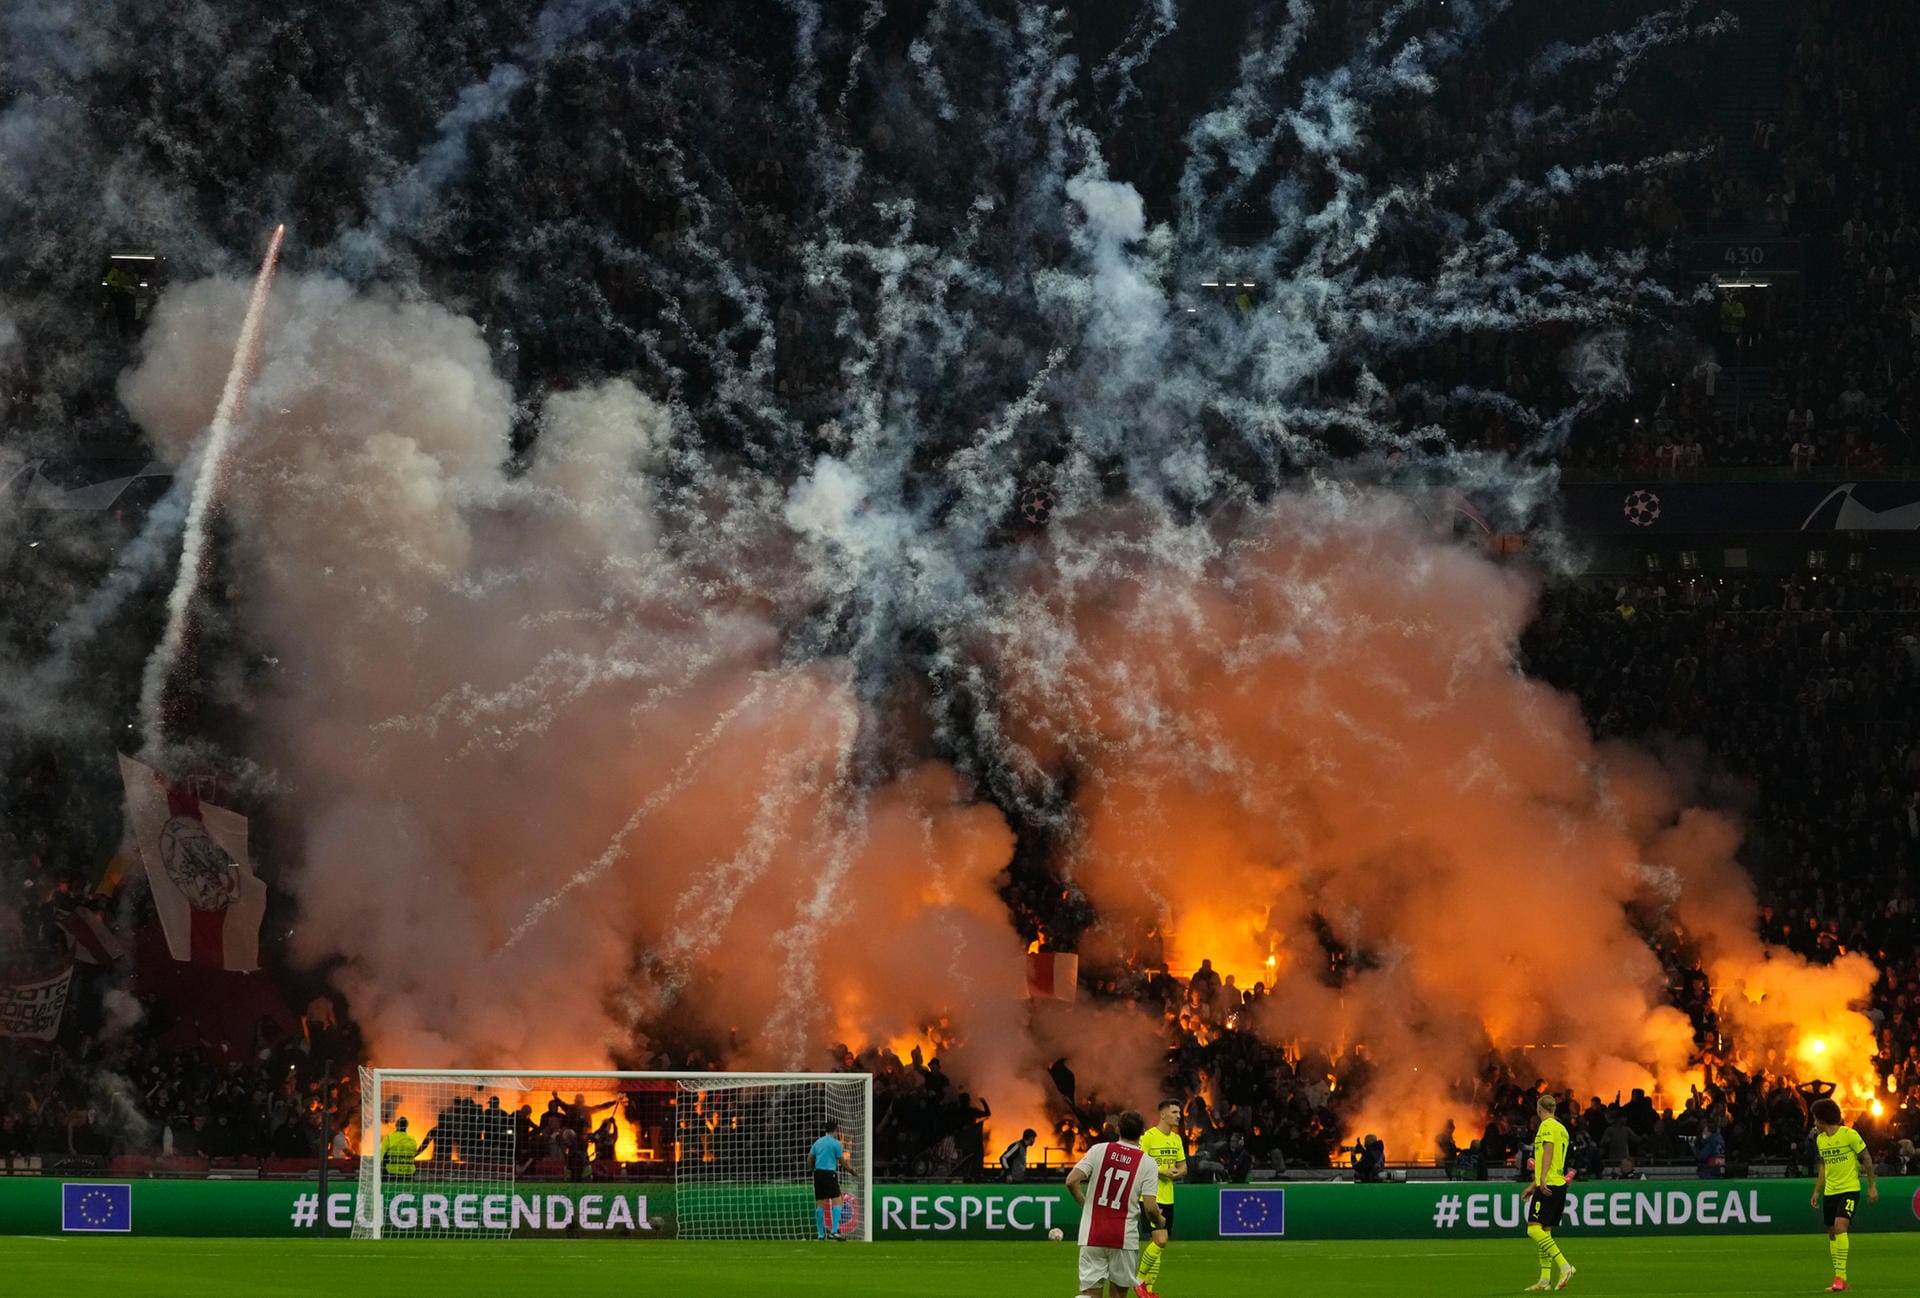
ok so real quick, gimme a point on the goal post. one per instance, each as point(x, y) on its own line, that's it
point(496, 1153)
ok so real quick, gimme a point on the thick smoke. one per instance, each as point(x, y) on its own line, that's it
point(484, 676)
point(1303, 713)
point(1323, 749)
point(705, 687)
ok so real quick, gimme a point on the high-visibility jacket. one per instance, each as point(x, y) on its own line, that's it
point(396, 1154)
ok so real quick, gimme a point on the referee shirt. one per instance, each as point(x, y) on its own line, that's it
point(827, 1152)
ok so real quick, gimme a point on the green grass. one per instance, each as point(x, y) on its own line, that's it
point(1672, 1267)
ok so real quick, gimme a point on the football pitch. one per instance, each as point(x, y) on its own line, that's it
point(1671, 1267)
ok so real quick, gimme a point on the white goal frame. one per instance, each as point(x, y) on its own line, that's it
point(376, 1085)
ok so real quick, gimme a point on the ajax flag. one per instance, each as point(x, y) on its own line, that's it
point(195, 853)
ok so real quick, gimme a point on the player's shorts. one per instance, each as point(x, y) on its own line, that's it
point(1146, 1226)
point(1841, 1205)
point(826, 1185)
point(1118, 1266)
point(1548, 1202)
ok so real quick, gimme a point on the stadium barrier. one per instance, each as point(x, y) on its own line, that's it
point(1420, 1210)
point(1300, 1210)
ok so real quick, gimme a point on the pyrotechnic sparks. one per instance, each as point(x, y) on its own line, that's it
point(998, 473)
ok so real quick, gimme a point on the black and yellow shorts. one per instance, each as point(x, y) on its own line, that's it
point(1549, 1201)
point(1840, 1205)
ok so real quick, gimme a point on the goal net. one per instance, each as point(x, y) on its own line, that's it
point(457, 1154)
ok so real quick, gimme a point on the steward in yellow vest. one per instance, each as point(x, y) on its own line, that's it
point(397, 1151)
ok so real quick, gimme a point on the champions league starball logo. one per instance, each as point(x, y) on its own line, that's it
point(1036, 505)
point(199, 867)
point(1642, 509)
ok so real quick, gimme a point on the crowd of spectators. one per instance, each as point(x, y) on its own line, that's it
point(114, 1089)
point(1245, 1098)
point(1822, 356)
point(1839, 179)
point(1805, 693)
point(1806, 696)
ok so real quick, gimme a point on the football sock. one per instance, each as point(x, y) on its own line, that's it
point(1838, 1246)
point(1550, 1253)
point(1150, 1266)
point(820, 1220)
point(836, 1219)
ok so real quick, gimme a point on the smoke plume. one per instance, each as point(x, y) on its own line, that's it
point(556, 791)
point(924, 479)
point(1316, 723)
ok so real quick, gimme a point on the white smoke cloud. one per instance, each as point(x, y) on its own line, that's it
point(486, 675)
point(9, 339)
point(120, 1012)
point(1597, 365)
point(824, 504)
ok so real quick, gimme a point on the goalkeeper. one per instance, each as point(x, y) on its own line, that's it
point(829, 1155)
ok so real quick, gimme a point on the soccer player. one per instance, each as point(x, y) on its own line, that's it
point(1836, 1182)
point(1546, 1195)
point(1169, 1150)
point(1124, 1178)
point(829, 1156)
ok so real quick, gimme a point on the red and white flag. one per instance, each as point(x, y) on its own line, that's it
point(1053, 975)
point(93, 941)
point(210, 901)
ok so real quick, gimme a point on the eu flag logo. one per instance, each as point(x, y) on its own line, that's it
point(1253, 1212)
point(96, 1207)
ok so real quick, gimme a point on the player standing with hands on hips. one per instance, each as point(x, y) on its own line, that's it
point(1546, 1195)
point(1836, 1183)
point(1122, 1179)
point(1165, 1146)
point(829, 1156)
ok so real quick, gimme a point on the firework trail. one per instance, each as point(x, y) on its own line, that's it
point(408, 202)
point(193, 548)
point(1150, 27)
